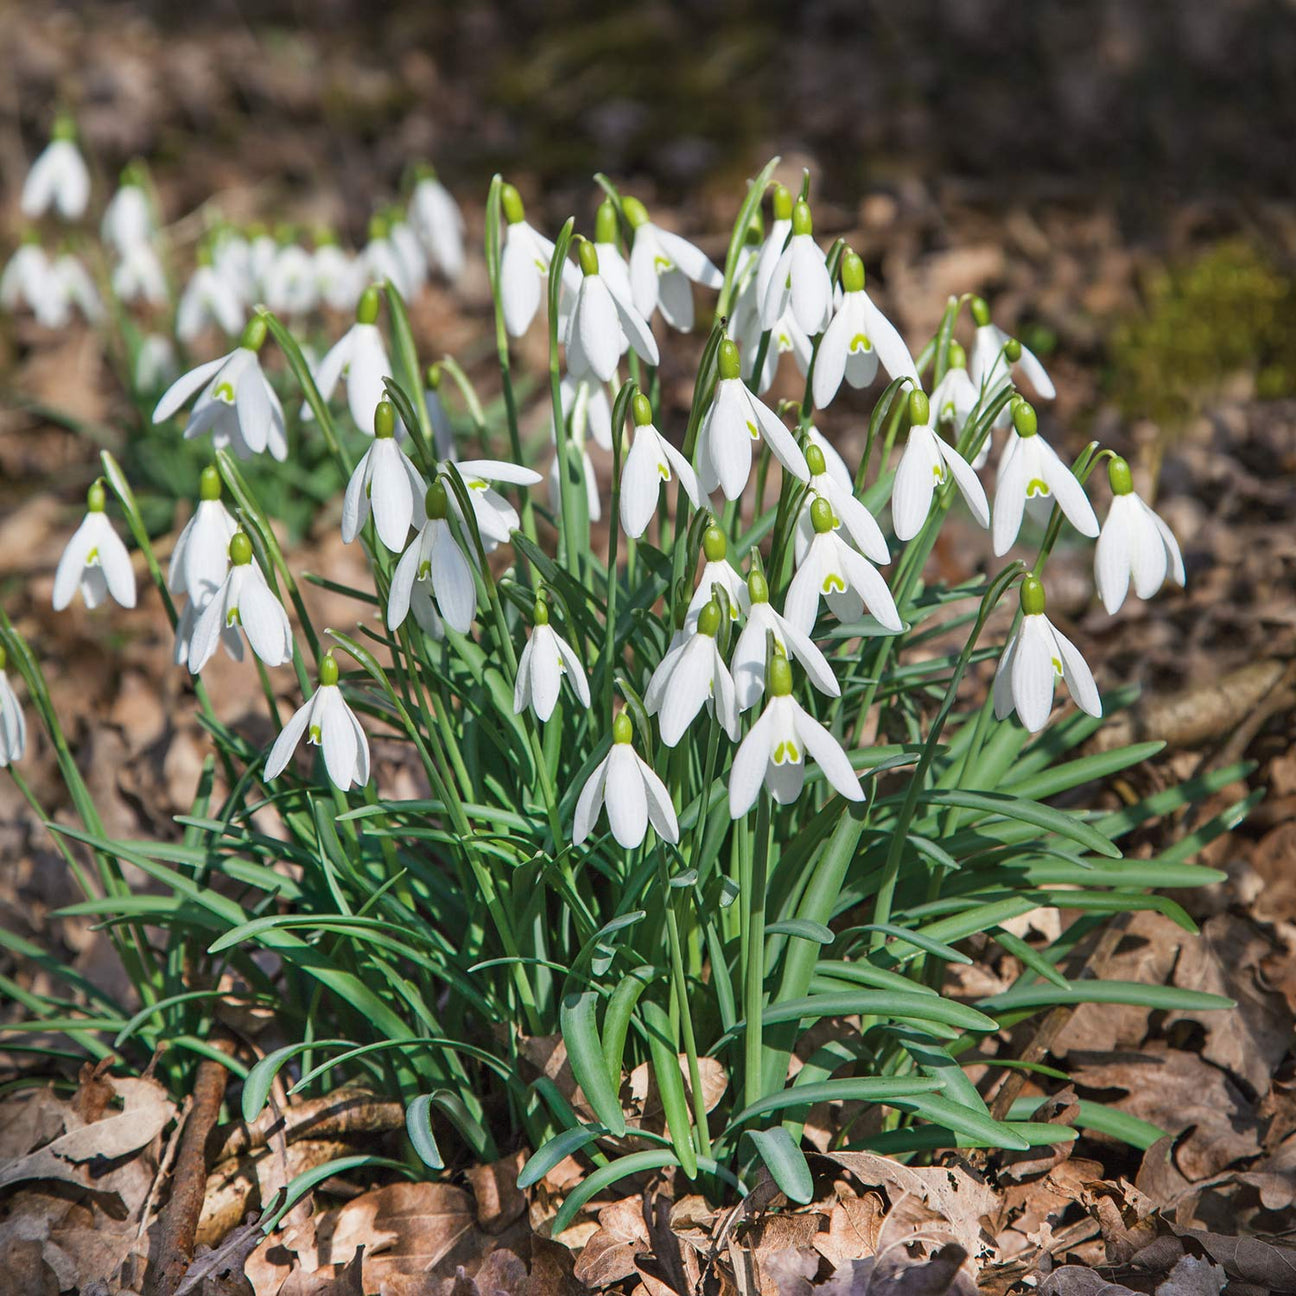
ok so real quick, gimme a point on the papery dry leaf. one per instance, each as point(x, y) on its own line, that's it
point(1080, 1280)
point(335, 1280)
point(1176, 1089)
point(1251, 1039)
point(790, 1269)
point(499, 1200)
point(609, 1256)
point(895, 1273)
point(1244, 1259)
point(853, 1227)
point(1194, 1277)
point(951, 1192)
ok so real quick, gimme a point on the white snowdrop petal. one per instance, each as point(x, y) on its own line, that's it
point(402, 584)
point(72, 563)
point(891, 349)
point(811, 287)
point(1068, 492)
point(1173, 553)
point(119, 575)
point(749, 764)
point(689, 258)
point(1035, 373)
point(590, 802)
point(1003, 697)
point(519, 285)
point(1010, 498)
point(1079, 678)
point(868, 583)
point(816, 666)
point(968, 483)
point(781, 442)
point(286, 743)
point(264, 621)
point(1034, 672)
point(749, 660)
point(1112, 558)
point(830, 363)
point(185, 386)
point(828, 755)
point(575, 671)
point(391, 495)
point(452, 579)
point(624, 797)
point(688, 688)
point(661, 813)
point(522, 685)
point(355, 502)
point(337, 737)
point(915, 480)
point(1148, 557)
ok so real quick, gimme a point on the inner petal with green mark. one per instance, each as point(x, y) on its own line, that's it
point(315, 735)
point(540, 265)
point(754, 430)
point(92, 558)
point(787, 753)
point(224, 392)
point(425, 570)
point(663, 470)
point(661, 264)
point(860, 343)
point(1057, 666)
point(833, 584)
point(232, 618)
point(1036, 487)
point(476, 483)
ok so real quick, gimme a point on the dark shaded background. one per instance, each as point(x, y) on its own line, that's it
point(1147, 104)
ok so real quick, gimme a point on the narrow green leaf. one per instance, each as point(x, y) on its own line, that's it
point(785, 1161)
point(578, 1022)
point(670, 1085)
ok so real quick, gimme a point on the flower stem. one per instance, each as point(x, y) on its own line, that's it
point(754, 979)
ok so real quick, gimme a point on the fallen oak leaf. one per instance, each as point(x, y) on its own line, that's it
point(1245, 1259)
point(1080, 1280)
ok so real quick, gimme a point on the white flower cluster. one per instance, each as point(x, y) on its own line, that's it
point(731, 646)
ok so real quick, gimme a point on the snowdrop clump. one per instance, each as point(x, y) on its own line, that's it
point(734, 600)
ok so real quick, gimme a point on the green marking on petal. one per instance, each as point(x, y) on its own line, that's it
point(754, 430)
point(315, 735)
point(1057, 666)
point(425, 570)
point(232, 618)
point(92, 558)
point(663, 470)
point(477, 484)
point(860, 343)
point(661, 264)
point(1036, 487)
point(833, 584)
point(938, 472)
point(786, 753)
point(540, 266)
point(225, 392)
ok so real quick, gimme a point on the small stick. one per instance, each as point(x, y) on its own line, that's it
point(179, 1219)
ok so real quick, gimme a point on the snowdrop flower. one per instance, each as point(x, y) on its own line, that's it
point(358, 358)
point(13, 726)
point(593, 500)
point(437, 220)
point(995, 354)
point(661, 265)
point(774, 246)
point(1135, 544)
point(496, 518)
point(58, 178)
point(210, 297)
point(928, 461)
point(442, 429)
point(200, 559)
point(262, 248)
point(848, 582)
point(1034, 659)
point(237, 404)
point(95, 560)
point(74, 287)
point(386, 481)
point(954, 398)
point(243, 599)
point(634, 796)
point(545, 660)
point(28, 280)
point(291, 282)
point(775, 750)
point(591, 415)
point(433, 568)
point(693, 673)
point(1030, 471)
point(139, 276)
point(128, 219)
point(652, 460)
point(717, 570)
point(155, 363)
point(834, 464)
point(612, 265)
point(857, 339)
point(848, 512)
point(800, 276)
point(230, 256)
point(735, 420)
point(750, 653)
point(329, 724)
point(336, 279)
point(598, 322)
point(524, 266)
point(409, 252)
point(381, 261)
